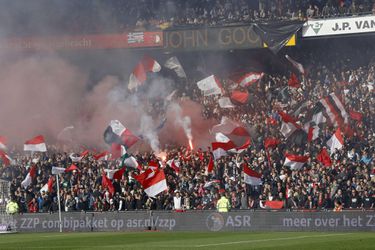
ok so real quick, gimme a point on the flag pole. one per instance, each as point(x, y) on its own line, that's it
point(58, 200)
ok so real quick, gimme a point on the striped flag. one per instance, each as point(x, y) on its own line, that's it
point(36, 144)
point(48, 186)
point(139, 75)
point(29, 177)
point(153, 182)
point(251, 177)
point(295, 162)
point(336, 142)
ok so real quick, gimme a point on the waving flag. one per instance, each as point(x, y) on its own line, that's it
point(103, 156)
point(240, 97)
point(153, 182)
point(29, 177)
point(251, 177)
point(355, 115)
point(75, 157)
point(295, 162)
point(324, 158)
point(296, 64)
point(36, 144)
point(119, 134)
point(115, 174)
point(175, 165)
point(229, 127)
point(48, 186)
point(220, 149)
point(270, 142)
point(210, 166)
point(225, 102)
point(212, 183)
point(174, 64)
point(334, 109)
point(293, 81)
point(3, 141)
point(288, 125)
point(336, 141)
point(139, 74)
point(210, 86)
point(249, 79)
point(107, 183)
point(5, 158)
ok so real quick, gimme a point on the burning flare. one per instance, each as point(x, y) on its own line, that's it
point(191, 144)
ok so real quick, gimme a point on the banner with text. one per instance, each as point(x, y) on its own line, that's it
point(105, 41)
point(193, 221)
point(339, 26)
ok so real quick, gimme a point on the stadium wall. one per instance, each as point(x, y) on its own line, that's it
point(195, 221)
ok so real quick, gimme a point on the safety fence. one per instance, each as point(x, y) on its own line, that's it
point(194, 221)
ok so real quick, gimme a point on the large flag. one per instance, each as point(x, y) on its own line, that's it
point(274, 204)
point(243, 147)
point(210, 86)
point(115, 174)
point(107, 183)
point(334, 109)
point(296, 64)
point(174, 64)
point(229, 127)
point(225, 102)
point(289, 124)
point(5, 158)
point(3, 141)
point(175, 165)
point(139, 74)
point(239, 96)
point(220, 149)
point(251, 177)
point(36, 144)
point(336, 141)
point(249, 78)
point(153, 182)
point(119, 134)
point(324, 158)
point(29, 177)
point(295, 162)
point(48, 186)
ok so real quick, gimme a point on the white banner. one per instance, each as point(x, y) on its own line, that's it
point(339, 26)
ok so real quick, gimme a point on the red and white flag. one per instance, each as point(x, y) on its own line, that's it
point(229, 127)
point(251, 177)
point(296, 64)
point(289, 124)
point(335, 109)
point(244, 147)
point(5, 158)
point(249, 78)
point(324, 158)
point(175, 165)
point(139, 74)
point(220, 149)
point(29, 177)
point(153, 182)
point(336, 142)
point(60, 170)
point(48, 186)
point(75, 158)
point(36, 144)
point(107, 183)
point(209, 184)
point(210, 86)
point(295, 162)
point(116, 133)
point(115, 174)
point(3, 141)
point(103, 156)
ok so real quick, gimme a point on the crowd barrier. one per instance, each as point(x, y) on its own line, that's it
point(245, 220)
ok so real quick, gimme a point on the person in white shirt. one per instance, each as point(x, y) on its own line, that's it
point(177, 201)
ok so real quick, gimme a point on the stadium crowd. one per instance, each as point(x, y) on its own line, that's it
point(88, 17)
point(348, 183)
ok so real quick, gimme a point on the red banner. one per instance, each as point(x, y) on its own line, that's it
point(107, 41)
